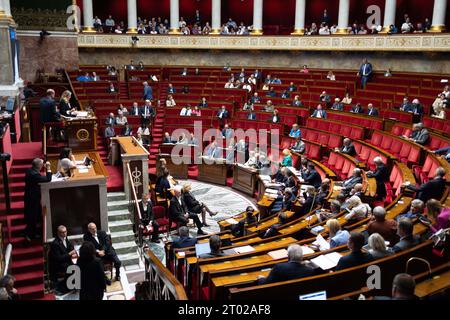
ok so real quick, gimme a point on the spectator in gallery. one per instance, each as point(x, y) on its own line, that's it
point(337, 105)
point(407, 26)
point(392, 29)
point(297, 102)
point(319, 113)
point(325, 18)
point(109, 23)
point(324, 30)
point(331, 76)
point(304, 69)
point(207, 29)
point(97, 23)
point(170, 101)
point(196, 112)
point(182, 23)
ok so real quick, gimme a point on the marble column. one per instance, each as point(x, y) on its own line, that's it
point(344, 11)
point(132, 16)
point(88, 16)
point(2, 8)
point(300, 8)
point(5, 6)
point(216, 13)
point(174, 17)
point(439, 11)
point(389, 14)
point(257, 17)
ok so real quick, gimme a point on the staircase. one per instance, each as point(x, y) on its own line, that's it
point(27, 259)
point(121, 229)
point(123, 91)
point(157, 129)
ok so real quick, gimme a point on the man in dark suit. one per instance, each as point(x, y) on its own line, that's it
point(381, 175)
point(348, 147)
point(365, 72)
point(356, 257)
point(103, 247)
point(184, 240)
point(147, 113)
point(419, 135)
point(222, 115)
point(405, 230)
point(325, 99)
point(179, 212)
point(357, 108)
point(348, 184)
point(135, 110)
point(311, 176)
point(337, 105)
point(274, 118)
point(295, 268)
point(433, 189)
point(308, 203)
point(319, 113)
point(148, 92)
point(214, 244)
point(47, 107)
point(371, 111)
point(251, 115)
point(146, 208)
point(32, 196)
point(403, 288)
point(416, 108)
point(405, 106)
point(61, 254)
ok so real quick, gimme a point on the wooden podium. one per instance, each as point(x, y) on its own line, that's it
point(213, 171)
point(76, 201)
point(244, 179)
point(81, 133)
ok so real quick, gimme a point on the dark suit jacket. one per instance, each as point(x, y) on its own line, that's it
point(148, 93)
point(356, 109)
point(310, 202)
point(433, 189)
point(59, 258)
point(192, 204)
point(374, 112)
point(316, 112)
point(251, 116)
point(47, 107)
point(225, 114)
point(184, 242)
point(32, 196)
point(64, 108)
point(312, 178)
point(274, 119)
point(381, 175)
point(147, 214)
point(103, 242)
point(420, 136)
point(177, 210)
point(406, 243)
point(351, 151)
point(287, 271)
point(350, 183)
point(93, 281)
point(150, 112)
point(353, 259)
point(368, 71)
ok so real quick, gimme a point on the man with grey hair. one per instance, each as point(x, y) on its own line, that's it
point(295, 268)
point(184, 240)
point(403, 288)
point(32, 196)
point(387, 228)
point(433, 189)
point(381, 175)
point(405, 231)
point(179, 213)
point(415, 210)
point(347, 148)
point(348, 184)
point(419, 135)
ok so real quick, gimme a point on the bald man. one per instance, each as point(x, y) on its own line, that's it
point(103, 247)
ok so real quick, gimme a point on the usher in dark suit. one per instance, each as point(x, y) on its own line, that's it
point(147, 216)
point(59, 258)
point(381, 175)
point(104, 244)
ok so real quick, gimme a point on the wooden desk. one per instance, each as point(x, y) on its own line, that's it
point(134, 154)
point(433, 286)
point(78, 200)
point(178, 171)
point(244, 179)
point(212, 171)
point(81, 133)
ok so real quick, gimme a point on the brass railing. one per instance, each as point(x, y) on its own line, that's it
point(133, 207)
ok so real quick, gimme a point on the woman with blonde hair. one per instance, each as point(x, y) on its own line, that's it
point(358, 209)
point(65, 108)
point(377, 246)
point(338, 237)
point(287, 158)
point(194, 206)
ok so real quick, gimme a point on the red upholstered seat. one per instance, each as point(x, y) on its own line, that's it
point(386, 143)
point(413, 156)
point(376, 139)
point(332, 159)
point(339, 163)
point(345, 168)
point(313, 151)
point(364, 153)
point(334, 141)
point(396, 146)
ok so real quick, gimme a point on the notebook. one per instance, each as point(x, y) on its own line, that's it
point(201, 248)
point(321, 243)
point(327, 261)
point(231, 221)
point(244, 249)
point(278, 254)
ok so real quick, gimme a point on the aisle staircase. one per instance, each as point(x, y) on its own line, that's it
point(123, 91)
point(157, 129)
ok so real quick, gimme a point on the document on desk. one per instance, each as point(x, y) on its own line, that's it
point(307, 250)
point(321, 243)
point(327, 261)
point(278, 254)
point(83, 170)
point(231, 221)
point(265, 177)
point(56, 178)
point(244, 249)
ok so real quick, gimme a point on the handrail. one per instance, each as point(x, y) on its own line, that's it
point(74, 94)
point(133, 190)
point(162, 284)
point(134, 209)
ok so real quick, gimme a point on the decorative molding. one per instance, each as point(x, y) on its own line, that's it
point(409, 43)
point(38, 19)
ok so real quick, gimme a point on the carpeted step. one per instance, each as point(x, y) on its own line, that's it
point(31, 292)
point(29, 278)
point(20, 168)
point(27, 265)
point(27, 252)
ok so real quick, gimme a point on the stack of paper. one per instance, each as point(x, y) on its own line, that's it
point(278, 254)
point(232, 221)
point(265, 177)
point(307, 250)
point(321, 243)
point(83, 170)
point(327, 261)
point(244, 249)
point(272, 191)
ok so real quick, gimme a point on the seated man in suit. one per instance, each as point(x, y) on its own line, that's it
point(419, 134)
point(103, 247)
point(299, 146)
point(146, 208)
point(110, 120)
point(213, 151)
point(238, 229)
point(416, 108)
point(184, 239)
point(416, 210)
point(444, 153)
point(214, 243)
point(319, 113)
point(179, 213)
point(308, 201)
point(381, 175)
point(403, 288)
point(357, 108)
point(325, 99)
point(405, 230)
point(274, 118)
point(282, 219)
point(357, 256)
point(283, 201)
point(135, 110)
point(371, 111)
point(295, 268)
point(251, 115)
point(147, 113)
point(61, 254)
point(433, 189)
point(387, 228)
point(337, 105)
point(311, 176)
point(405, 106)
point(348, 184)
point(347, 148)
